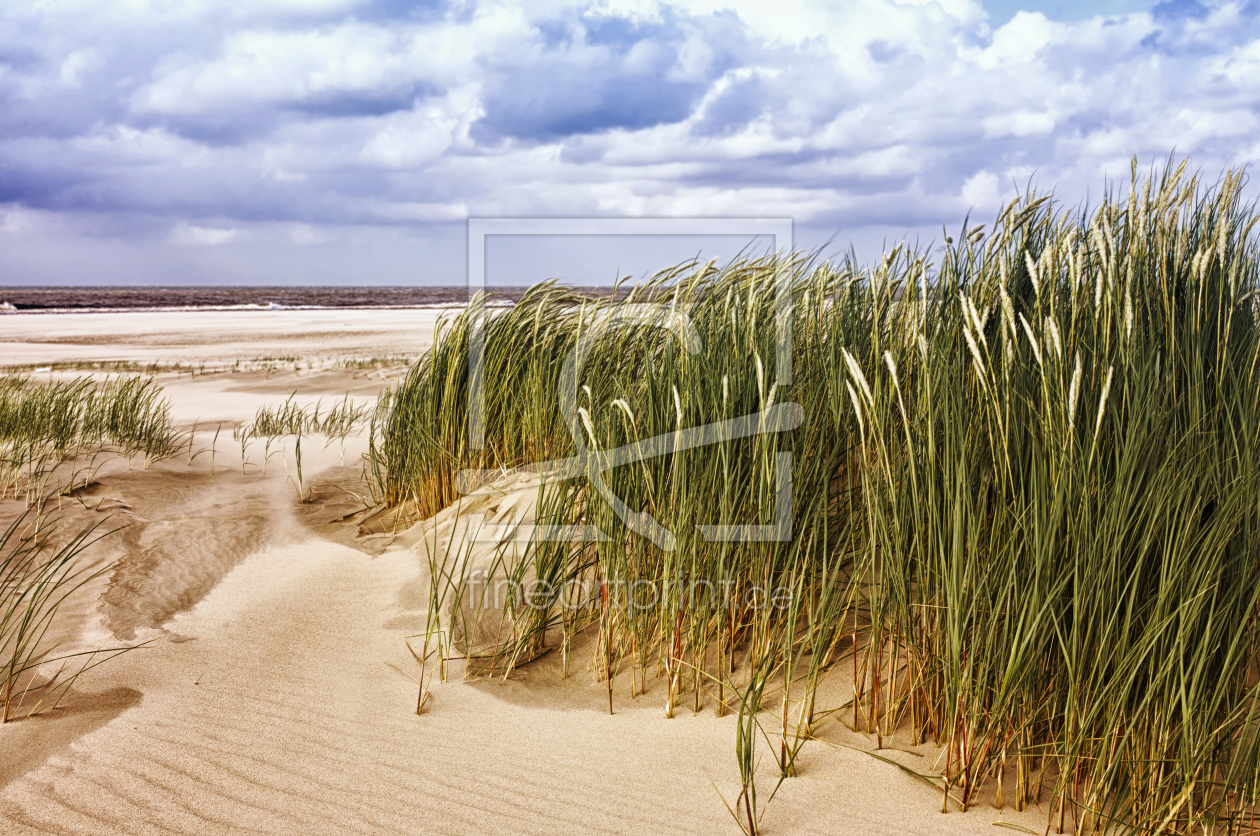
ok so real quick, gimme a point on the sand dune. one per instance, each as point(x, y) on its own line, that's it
point(266, 702)
point(179, 541)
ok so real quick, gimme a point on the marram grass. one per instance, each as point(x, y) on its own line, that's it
point(47, 429)
point(53, 438)
point(1024, 492)
point(37, 575)
point(291, 419)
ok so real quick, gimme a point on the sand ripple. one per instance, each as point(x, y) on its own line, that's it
point(168, 564)
point(295, 725)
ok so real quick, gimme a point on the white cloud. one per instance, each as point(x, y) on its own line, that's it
point(695, 58)
point(421, 135)
point(76, 64)
point(269, 66)
point(980, 191)
point(422, 211)
point(1018, 123)
point(1019, 41)
point(306, 235)
point(1240, 66)
point(186, 235)
point(125, 145)
point(15, 218)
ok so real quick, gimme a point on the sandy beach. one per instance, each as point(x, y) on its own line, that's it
point(275, 693)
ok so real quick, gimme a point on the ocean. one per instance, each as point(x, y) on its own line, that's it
point(90, 299)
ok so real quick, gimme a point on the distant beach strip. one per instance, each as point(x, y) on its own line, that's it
point(102, 299)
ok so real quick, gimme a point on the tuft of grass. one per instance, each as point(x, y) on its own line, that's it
point(36, 578)
point(54, 436)
point(290, 419)
point(1023, 497)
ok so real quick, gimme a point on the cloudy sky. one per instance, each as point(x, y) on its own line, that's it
point(347, 141)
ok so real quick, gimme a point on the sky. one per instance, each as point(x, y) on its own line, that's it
point(348, 141)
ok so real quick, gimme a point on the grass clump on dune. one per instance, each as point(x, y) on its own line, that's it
point(1023, 497)
point(53, 438)
point(46, 425)
point(37, 576)
point(291, 419)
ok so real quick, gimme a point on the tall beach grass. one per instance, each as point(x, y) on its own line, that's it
point(53, 438)
point(1023, 497)
point(55, 435)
